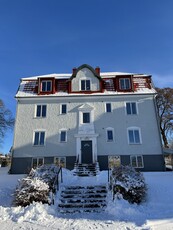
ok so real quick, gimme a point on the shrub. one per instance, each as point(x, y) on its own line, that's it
point(37, 186)
point(128, 183)
point(30, 190)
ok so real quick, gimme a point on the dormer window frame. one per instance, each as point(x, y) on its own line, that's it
point(84, 87)
point(46, 86)
point(124, 83)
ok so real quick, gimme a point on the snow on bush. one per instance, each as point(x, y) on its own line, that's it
point(37, 186)
point(126, 182)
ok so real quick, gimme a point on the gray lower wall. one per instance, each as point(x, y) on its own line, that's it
point(21, 165)
point(151, 163)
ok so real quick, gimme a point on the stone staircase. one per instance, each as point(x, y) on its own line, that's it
point(86, 169)
point(82, 199)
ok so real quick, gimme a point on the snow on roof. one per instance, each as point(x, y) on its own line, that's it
point(68, 75)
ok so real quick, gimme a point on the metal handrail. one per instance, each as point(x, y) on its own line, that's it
point(56, 183)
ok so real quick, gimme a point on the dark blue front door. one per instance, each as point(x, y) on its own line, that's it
point(86, 152)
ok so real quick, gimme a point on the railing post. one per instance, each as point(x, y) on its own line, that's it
point(61, 176)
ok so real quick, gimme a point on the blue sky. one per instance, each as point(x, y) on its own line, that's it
point(51, 36)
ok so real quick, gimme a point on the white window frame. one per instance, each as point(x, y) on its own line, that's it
point(61, 105)
point(83, 117)
point(124, 79)
point(39, 131)
point(112, 130)
point(41, 111)
point(85, 79)
point(59, 161)
point(134, 129)
point(46, 81)
point(131, 112)
point(37, 158)
point(106, 107)
point(136, 159)
point(60, 131)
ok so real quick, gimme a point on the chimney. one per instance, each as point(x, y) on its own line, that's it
point(97, 69)
point(74, 70)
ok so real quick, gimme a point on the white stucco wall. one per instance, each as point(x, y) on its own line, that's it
point(26, 123)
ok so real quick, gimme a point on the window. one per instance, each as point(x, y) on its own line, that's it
point(108, 108)
point(63, 136)
point(85, 85)
point(86, 117)
point(137, 161)
point(125, 83)
point(46, 86)
point(41, 111)
point(36, 162)
point(60, 161)
point(39, 138)
point(114, 161)
point(63, 109)
point(110, 136)
point(131, 108)
point(134, 136)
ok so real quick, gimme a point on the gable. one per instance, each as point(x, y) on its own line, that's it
point(85, 78)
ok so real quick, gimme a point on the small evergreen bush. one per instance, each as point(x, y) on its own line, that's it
point(37, 186)
point(128, 183)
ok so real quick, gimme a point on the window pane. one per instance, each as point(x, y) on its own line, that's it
point(139, 160)
point(40, 161)
point(43, 86)
point(48, 86)
point(110, 135)
point(62, 162)
point(128, 108)
point(133, 105)
point(57, 161)
point(86, 118)
point(34, 163)
point(87, 84)
point(36, 138)
point(127, 83)
point(44, 111)
point(64, 109)
point(137, 138)
point(131, 136)
point(38, 111)
point(82, 84)
point(63, 136)
point(133, 161)
point(108, 107)
point(42, 134)
point(122, 86)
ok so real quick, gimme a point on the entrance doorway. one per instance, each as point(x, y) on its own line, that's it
point(86, 152)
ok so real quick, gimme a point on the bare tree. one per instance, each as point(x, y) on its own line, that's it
point(6, 120)
point(164, 102)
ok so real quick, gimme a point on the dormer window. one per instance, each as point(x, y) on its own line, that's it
point(124, 84)
point(85, 85)
point(46, 86)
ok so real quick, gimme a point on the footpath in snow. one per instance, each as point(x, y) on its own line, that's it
point(155, 213)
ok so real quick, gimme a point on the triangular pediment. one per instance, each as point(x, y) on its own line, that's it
point(86, 107)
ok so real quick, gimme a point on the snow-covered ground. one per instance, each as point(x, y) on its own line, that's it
point(155, 213)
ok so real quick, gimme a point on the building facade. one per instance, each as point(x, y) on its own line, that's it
point(87, 117)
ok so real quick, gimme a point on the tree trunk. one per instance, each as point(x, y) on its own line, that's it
point(164, 138)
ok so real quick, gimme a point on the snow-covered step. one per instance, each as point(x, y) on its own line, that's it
point(86, 169)
point(82, 199)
